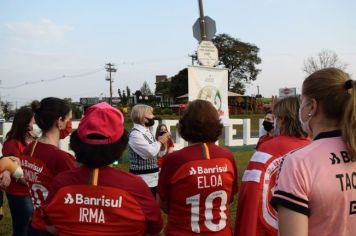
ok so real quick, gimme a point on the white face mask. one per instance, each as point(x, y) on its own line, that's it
point(36, 131)
point(305, 125)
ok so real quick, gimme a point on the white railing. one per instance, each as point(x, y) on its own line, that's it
point(244, 126)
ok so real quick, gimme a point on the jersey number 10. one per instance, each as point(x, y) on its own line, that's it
point(194, 201)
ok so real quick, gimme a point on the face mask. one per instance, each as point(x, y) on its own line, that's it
point(36, 131)
point(150, 122)
point(305, 125)
point(65, 132)
point(277, 130)
point(268, 126)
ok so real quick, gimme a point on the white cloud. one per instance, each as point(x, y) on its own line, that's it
point(43, 30)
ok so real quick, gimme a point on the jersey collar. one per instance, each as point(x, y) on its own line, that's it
point(328, 134)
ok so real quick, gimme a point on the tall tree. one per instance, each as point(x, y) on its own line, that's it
point(179, 83)
point(145, 89)
point(128, 91)
point(124, 95)
point(240, 59)
point(326, 58)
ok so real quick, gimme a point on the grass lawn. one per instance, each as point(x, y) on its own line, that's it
point(242, 156)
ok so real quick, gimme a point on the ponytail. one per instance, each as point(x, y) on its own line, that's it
point(348, 126)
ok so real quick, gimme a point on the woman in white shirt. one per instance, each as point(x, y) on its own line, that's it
point(143, 147)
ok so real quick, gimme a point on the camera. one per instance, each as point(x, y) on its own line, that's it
point(162, 133)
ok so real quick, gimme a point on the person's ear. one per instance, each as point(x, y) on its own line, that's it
point(60, 123)
point(282, 121)
point(313, 107)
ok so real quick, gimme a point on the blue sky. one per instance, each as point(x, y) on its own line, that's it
point(44, 40)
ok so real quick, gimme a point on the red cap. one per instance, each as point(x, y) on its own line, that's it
point(104, 120)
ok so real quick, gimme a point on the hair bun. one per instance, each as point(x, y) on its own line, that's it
point(35, 105)
point(348, 84)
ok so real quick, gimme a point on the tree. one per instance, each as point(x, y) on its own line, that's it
point(324, 59)
point(75, 107)
point(145, 89)
point(124, 96)
point(7, 109)
point(128, 91)
point(240, 59)
point(179, 83)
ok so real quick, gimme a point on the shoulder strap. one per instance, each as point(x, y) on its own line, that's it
point(144, 135)
point(33, 148)
point(205, 151)
point(94, 177)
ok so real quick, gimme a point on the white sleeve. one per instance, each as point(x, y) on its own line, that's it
point(142, 147)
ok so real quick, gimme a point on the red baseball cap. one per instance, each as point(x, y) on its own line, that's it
point(101, 124)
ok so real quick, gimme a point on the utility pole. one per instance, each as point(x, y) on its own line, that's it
point(110, 68)
point(258, 89)
point(202, 21)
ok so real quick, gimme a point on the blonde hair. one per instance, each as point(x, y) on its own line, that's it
point(334, 90)
point(288, 109)
point(138, 113)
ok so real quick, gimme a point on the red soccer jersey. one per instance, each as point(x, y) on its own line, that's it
point(41, 163)
point(13, 147)
point(104, 202)
point(255, 216)
point(160, 159)
point(198, 183)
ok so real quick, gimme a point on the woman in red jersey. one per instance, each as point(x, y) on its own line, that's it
point(42, 159)
point(255, 216)
point(268, 127)
point(17, 193)
point(97, 199)
point(316, 191)
point(165, 148)
point(197, 183)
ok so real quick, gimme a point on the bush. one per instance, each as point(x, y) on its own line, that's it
point(167, 111)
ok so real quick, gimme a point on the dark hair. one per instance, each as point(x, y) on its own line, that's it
point(19, 126)
point(97, 155)
point(158, 130)
point(48, 111)
point(268, 112)
point(288, 110)
point(200, 122)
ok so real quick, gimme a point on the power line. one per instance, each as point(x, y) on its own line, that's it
point(54, 79)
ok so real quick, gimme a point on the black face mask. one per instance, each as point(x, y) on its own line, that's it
point(150, 122)
point(268, 126)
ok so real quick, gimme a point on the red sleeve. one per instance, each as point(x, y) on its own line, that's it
point(247, 211)
point(12, 148)
point(235, 186)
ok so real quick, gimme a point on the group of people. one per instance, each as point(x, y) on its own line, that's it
point(300, 180)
